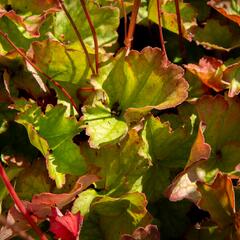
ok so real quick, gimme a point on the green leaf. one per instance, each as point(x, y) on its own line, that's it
point(18, 77)
point(134, 76)
point(102, 126)
point(105, 21)
point(34, 6)
point(168, 149)
point(169, 17)
point(219, 113)
point(63, 63)
point(52, 134)
point(225, 37)
point(83, 202)
point(32, 180)
point(123, 214)
point(218, 199)
point(121, 164)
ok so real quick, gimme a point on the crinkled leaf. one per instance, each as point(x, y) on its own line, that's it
point(31, 24)
point(83, 202)
point(225, 37)
point(232, 75)
point(66, 227)
point(150, 232)
point(34, 6)
point(120, 164)
point(42, 203)
point(196, 87)
point(229, 9)
point(208, 70)
point(184, 184)
point(19, 77)
point(105, 21)
point(52, 134)
point(168, 149)
point(63, 63)
point(218, 199)
point(123, 214)
point(218, 75)
point(219, 113)
point(134, 76)
point(102, 126)
point(169, 16)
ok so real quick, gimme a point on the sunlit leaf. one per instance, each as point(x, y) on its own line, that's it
point(169, 16)
point(136, 75)
point(66, 227)
point(52, 134)
point(105, 21)
point(218, 199)
point(229, 9)
point(102, 126)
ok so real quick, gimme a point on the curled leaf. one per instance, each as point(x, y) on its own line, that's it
point(150, 232)
point(65, 227)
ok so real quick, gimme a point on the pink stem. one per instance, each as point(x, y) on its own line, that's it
point(160, 27)
point(62, 89)
point(131, 29)
point(78, 35)
point(179, 22)
point(93, 33)
point(19, 203)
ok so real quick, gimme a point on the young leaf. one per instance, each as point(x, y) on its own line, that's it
point(65, 227)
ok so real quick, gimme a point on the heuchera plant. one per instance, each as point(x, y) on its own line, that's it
point(120, 119)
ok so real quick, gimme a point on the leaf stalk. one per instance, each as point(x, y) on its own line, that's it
point(78, 35)
point(62, 89)
point(19, 203)
point(94, 34)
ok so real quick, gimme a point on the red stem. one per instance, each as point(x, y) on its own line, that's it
point(78, 35)
point(19, 204)
point(62, 89)
point(125, 17)
point(93, 32)
point(132, 24)
point(179, 22)
point(160, 27)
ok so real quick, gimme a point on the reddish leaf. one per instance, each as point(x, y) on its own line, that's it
point(42, 203)
point(32, 23)
point(66, 227)
point(184, 185)
point(150, 232)
point(206, 70)
point(226, 8)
